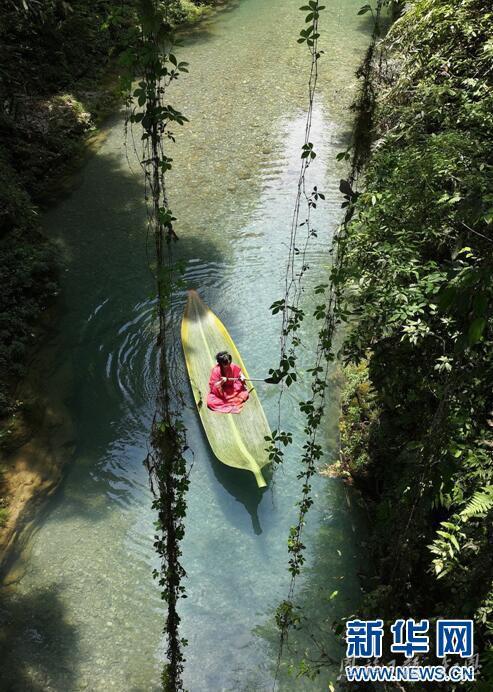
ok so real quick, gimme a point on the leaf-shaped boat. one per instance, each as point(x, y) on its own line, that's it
point(237, 440)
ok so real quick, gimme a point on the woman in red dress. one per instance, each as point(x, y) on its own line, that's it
point(227, 388)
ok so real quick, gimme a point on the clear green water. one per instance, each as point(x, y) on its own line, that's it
point(85, 613)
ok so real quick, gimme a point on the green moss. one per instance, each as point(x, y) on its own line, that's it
point(359, 413)
point(4, 515)
point(193, 11)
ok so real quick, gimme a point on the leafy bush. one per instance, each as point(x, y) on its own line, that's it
point(418, 257)
point(27, 277)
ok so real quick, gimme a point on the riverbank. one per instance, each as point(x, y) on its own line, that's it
point(55, 96)
point(32, 470)
point(417, 426)
point(47, 124)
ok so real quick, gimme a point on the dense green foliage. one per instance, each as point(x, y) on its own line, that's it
point(43, 54)
point(26, 278)
point(418, 260)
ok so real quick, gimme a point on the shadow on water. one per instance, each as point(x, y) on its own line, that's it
point(326, 592)
point(37, 644)
point(243, 487)
point(100, 227)
point(201, 32)
point(367, 22)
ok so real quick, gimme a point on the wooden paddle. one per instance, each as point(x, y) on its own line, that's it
point(268, 380)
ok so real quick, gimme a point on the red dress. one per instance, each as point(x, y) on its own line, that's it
point(230, 396)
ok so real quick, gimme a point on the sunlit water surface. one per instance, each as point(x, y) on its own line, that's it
point(85, 612)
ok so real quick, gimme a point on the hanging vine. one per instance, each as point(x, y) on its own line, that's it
point(151, 61)
point(329, 311)
point(296, 267)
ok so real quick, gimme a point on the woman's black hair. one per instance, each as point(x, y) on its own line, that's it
point(224, 358)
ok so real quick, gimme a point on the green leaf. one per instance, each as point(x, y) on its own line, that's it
point(444, 534)
point(476, 330)
point(455, 542)
point(480, 304)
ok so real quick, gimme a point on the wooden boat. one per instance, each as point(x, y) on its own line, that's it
point(236, 439)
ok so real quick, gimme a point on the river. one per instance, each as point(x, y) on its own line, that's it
point(84, 612)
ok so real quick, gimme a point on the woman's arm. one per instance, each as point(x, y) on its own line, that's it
point(239, 374)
